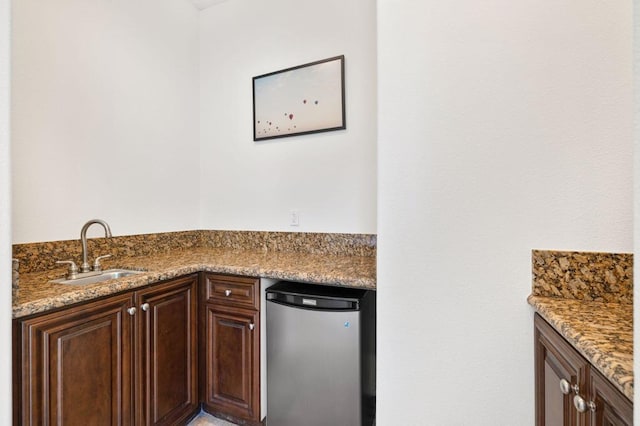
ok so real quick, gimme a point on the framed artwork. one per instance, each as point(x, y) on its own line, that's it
point(296, 101)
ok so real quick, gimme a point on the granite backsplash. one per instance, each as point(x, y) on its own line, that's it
point(588, 276)
point(41, 256)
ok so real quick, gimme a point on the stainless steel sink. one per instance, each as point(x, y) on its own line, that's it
point(96, 277)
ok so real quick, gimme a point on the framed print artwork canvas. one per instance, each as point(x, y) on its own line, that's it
point(300, 100)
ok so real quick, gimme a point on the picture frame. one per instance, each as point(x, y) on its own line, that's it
point(300, 100)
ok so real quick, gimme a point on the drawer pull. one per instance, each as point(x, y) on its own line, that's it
point(252, 326)
point(145, 307)
point(565, 386)
point(227, 293)
point(131, 311)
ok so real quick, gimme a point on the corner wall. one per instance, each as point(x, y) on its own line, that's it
point(636, 204)
point(5, 216)
point(503, 127)
point(329, 178)
point(104, 117)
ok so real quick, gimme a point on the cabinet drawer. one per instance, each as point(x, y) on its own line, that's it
point(232, 291)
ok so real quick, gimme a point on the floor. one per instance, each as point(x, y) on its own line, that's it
point(205, 419)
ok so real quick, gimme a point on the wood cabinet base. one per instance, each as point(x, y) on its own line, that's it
point(149, 357)
point(167, 357)
point(230, 323)
point(76, 365)
point(130, 359)
point(563, 376)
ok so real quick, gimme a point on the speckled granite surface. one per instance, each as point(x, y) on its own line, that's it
point(36, 294)
point(588, 298)
point(601, 331)
point(602, 277)
point(36, 257)
point(305, 242)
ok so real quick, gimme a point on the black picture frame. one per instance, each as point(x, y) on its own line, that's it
point(300, 100)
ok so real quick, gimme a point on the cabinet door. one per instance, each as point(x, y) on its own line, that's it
point(167, 373)
point(76, 365)
point(557, 363)
point(612, 408)
point(232, 361)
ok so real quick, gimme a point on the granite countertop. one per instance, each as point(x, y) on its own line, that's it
point(601, 331)
point(36, 294)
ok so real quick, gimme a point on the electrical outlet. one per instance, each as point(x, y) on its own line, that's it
point(294, 218)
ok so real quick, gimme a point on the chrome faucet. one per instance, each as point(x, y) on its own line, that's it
point(85, 267)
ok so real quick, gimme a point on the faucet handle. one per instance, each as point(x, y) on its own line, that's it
point(97, 267)
point(72, 273)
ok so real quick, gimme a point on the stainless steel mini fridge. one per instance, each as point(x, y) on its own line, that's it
point(320, 355)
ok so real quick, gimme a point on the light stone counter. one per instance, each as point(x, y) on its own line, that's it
point(36, 294)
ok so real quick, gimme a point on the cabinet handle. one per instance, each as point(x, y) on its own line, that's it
point(252, 326)
point(227, 293)
point(144, 307)
point(565, 386)
point(131, 311)
point(582, 405)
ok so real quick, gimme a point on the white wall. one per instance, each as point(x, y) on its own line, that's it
point(5, 217)
point(330, 178)
point(636, 182)
point(104, 116)
point(503, 126)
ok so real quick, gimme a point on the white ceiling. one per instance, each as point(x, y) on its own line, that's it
point(203, 4)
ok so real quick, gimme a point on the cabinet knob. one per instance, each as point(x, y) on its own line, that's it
point(227, 293)
point(582, 405)
point(565, 386)
point(252, 326)
point(131, 311)
point(144, 307)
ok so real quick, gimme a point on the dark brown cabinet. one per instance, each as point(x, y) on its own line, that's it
point(74, 366)
point(612, 408)
point(167, 355)
point(231, 347)
point(569, 391)
point(127, 359)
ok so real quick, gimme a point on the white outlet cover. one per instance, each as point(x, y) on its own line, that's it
point(294, 218)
